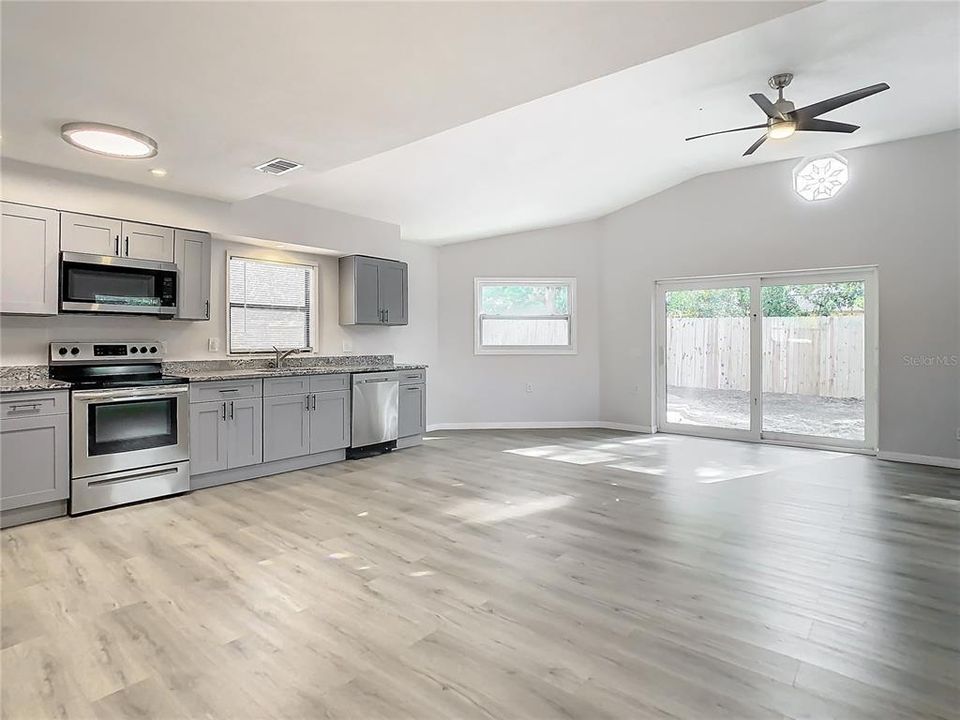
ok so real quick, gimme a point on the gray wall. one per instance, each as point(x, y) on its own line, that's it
point(899, 211)
point(491, 389)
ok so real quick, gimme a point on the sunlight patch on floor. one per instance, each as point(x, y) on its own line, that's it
point(486, 511)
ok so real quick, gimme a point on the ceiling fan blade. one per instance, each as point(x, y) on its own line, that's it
point(721, 132)
point(818, 125)
point(768, 107)
point(758, 143)
point(825, 106)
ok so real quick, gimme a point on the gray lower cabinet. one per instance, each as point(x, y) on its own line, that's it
point(286, 422)
point(34, 456)
point(330, 421)
point(296, 425)
point(412, 410)
point(208, 437)
point(225, 434)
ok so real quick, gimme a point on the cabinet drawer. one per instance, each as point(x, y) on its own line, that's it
point(294, 385)
point(33, 404)
point(323, 383)
point(411, 377)
point(225, 390)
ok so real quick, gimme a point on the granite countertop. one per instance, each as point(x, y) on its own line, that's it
point(205, 375)
point(26, 378)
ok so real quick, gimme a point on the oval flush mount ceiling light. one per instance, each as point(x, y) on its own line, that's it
point(109, 140)
point(820, 178)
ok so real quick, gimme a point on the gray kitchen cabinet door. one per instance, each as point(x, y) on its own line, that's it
point(367, 291)
point(208, 437)
point(286, 426)
point(244, 432)
point(29, 254)
point(393, 292)
point(147, 242)
point(90, 234)
point(192, 255)
point(412, 410)
point(330, 421)
point(34, 460)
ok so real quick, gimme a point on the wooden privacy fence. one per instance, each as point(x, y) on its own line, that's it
point(801, 355)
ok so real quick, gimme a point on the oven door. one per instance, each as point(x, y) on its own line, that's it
point(105, 284)
point(129, 428)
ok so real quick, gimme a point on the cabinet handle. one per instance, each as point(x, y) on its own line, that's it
point(386, 314)
point(230, 390)
point(35, 407)
point(313, 405)
point(231, 409)
point(306, 403)
point(223, 408)
point(206, 309)
point(128, 246)
point(117, 251)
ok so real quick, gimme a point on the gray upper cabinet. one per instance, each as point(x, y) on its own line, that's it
point(90, 234)
point(34, 449)
point(29, 253)
point(147, 242)
point(373, 291)
point(107, 236)
point(192, 255)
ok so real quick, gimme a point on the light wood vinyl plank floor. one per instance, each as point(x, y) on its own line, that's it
point(522, 574)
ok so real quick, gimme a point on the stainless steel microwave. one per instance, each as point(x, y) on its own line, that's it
point(108, 284)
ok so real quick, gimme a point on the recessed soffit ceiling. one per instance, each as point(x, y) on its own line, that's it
point(224, 86)
point(589, 150)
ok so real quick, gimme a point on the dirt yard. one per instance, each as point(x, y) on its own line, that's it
point(801, 414)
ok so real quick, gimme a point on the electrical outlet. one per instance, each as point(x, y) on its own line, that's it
point(347, 345)
point(529, 387)
point(213, 344)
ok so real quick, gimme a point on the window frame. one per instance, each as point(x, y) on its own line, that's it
point(569, 349)
point(311, 307)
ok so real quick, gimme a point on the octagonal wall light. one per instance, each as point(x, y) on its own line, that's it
point(820, 178)
point(109, 140)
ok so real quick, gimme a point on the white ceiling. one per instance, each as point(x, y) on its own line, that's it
point(224, 86)
point(592, 149)
point(460, 120)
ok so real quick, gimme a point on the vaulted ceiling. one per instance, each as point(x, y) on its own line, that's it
point(457, 120)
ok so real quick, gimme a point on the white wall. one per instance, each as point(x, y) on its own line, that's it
point(899, 211)
point(491, 389)
point(23, 340)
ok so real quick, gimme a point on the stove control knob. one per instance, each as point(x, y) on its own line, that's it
point(153, 349)
point(133, 350)
point(62, 351)
point(74, 351)
point(143, 349)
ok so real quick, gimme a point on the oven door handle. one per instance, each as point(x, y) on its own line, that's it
point(132, 394)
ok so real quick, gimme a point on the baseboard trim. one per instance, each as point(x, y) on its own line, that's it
point(542, 425)
point(934, 460)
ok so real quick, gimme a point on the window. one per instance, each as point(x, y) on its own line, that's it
point(269, 304)
point(525, 316)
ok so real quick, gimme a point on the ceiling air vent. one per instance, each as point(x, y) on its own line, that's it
point(278, 166)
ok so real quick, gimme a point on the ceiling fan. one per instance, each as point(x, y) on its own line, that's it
point(783, 120)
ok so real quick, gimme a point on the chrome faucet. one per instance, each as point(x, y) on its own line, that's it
point(283, 354)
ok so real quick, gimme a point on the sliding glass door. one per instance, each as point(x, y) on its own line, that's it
point(706, 360)
point(788, 357)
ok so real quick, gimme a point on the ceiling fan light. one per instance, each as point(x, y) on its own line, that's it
point(109, 140)
point(781, 130)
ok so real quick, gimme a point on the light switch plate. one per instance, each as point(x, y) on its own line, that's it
point(213, 344)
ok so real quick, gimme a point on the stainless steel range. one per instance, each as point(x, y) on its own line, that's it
point(130, 426)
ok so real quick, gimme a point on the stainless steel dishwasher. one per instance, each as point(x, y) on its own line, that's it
point(374, 417)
